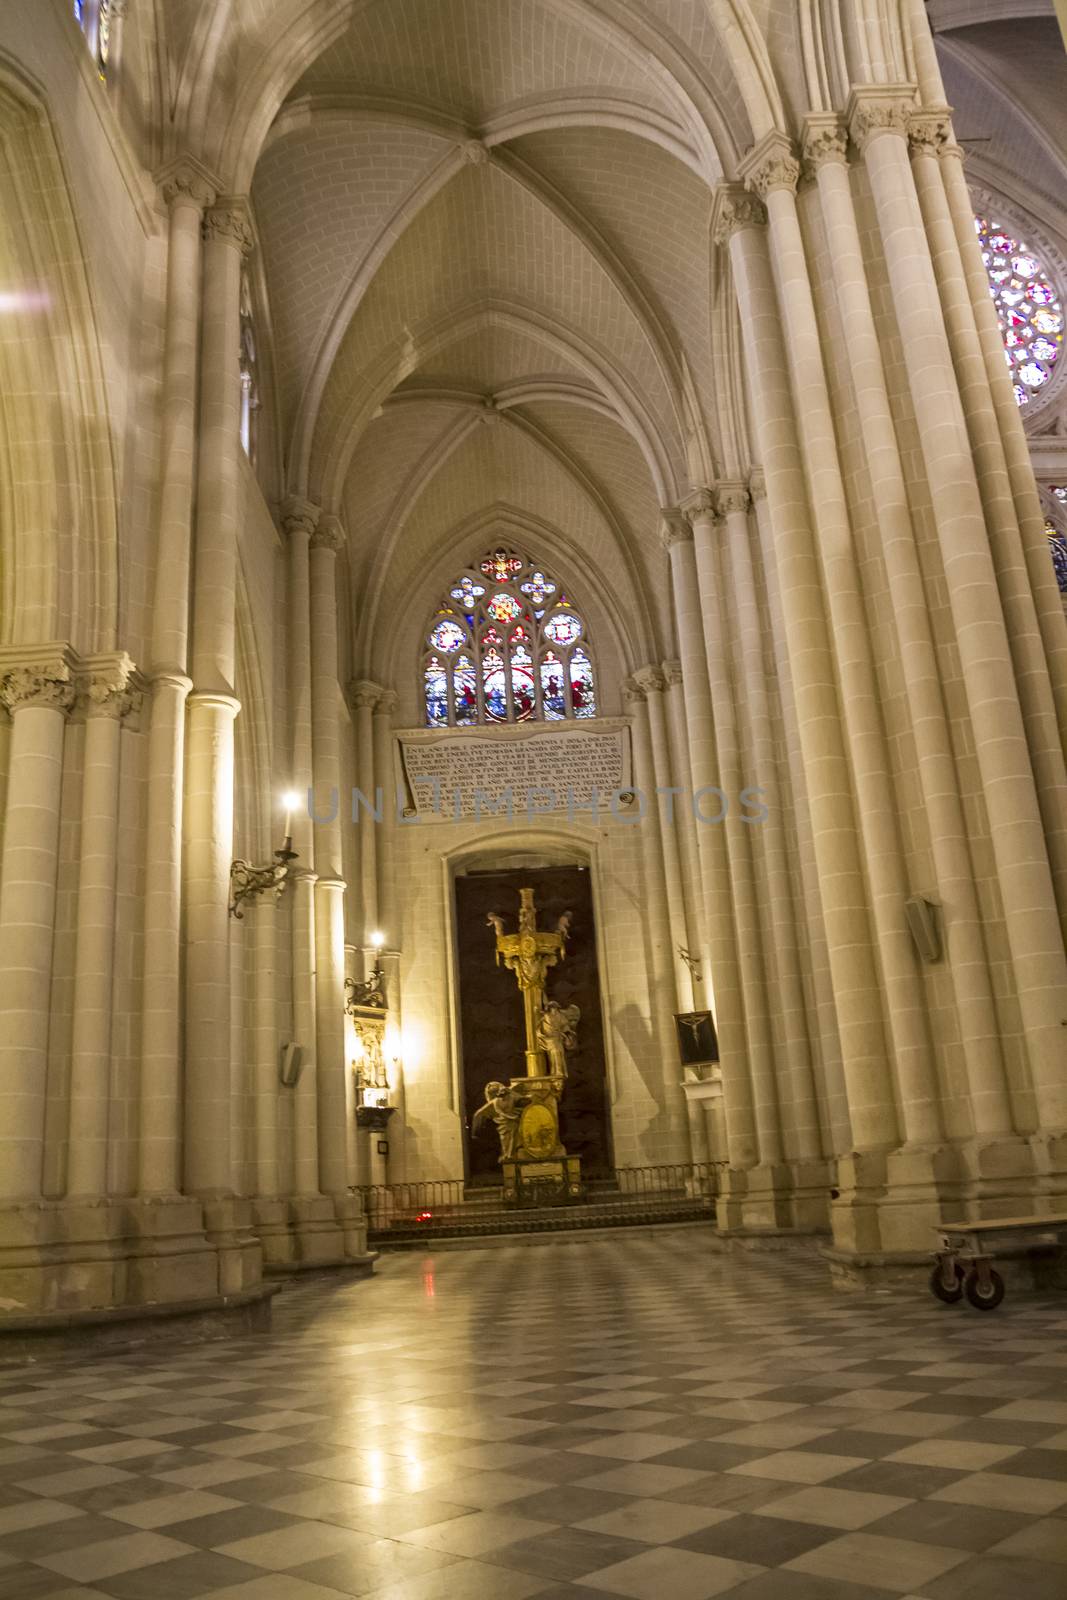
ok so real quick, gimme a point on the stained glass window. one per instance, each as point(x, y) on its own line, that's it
point(506, 645)
point(1028, 307)
point(1057, 543)
point(249, 372)
point(103, 35)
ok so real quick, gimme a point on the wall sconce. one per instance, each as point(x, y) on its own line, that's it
point(247, 880)
point(371, 993)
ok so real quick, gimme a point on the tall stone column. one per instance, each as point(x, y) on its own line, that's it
point(665, 807)
point(363, 697)
point(740, 221)
point(697, 940)
point(800, 1116)
point(927, 132)
point(879, 126)
point(38, 694)
point(212, 710)
point(335, 1097)
point(772, 172)
point(671, 1141)
point(701, 510)
point(108, 700)
point(834, 1091)
point(299, 519)
point(724, 980)
point(385, 776)
point(187, 189)
point(825, 151)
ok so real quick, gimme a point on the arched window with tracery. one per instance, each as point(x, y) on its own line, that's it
point(97, 19)
point(506, 644)
point(1029, 309)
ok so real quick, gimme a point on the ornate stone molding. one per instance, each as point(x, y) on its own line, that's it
point(929, 132)
point(734, 209)
point(46, 684)
point(299, 516)
point(363, 693)
point(476, 153)
point(187, 180)
point(228, 223)
point(878, 109)
point(386, 703)
point(650, 680)
point(675, 527)
point(823, 142)
point(771, 164)
point(110, 685)
point(672, 673)
point(329, 535)
point(731, 498)
point(632, 692)
point(757, 485)
point(700, 503)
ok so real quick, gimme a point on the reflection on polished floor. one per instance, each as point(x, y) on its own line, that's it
point(637, 1416)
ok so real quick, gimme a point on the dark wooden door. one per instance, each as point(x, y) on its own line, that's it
point(491, 1027)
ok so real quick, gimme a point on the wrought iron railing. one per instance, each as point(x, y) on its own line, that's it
point(400, 1213)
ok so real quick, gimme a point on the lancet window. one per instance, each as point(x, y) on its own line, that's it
point(506, 644)
point(249, 372)
point(1028, 308)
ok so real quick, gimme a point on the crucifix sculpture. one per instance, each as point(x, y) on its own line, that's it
point(529, 954)
point(526, 1113)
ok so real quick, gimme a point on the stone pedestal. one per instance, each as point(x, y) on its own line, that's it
point(555, 1182)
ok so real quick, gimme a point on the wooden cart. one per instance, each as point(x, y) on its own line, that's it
point(967, 1249)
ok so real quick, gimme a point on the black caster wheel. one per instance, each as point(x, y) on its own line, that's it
point(987, 1297)
point(938, 1286)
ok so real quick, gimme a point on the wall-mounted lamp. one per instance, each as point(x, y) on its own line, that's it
point(247, 880)
point(371, 992)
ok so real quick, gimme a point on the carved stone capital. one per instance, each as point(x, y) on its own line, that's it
point(771, 164)
point(386, 703)
point(672, 673)
point(731, 498)
point(824, 141)
point(228, 223)
point(363, 694)
point(650, 680)
point(734, 208)
point(329, 535)
point(632, 692)
point(185, 181)
point(878, 109)
point(299, 516)
point(700, 503)
point(675, 527)
point(111, 686)
point(929, 132)
point(757, 485)
point(47, 684)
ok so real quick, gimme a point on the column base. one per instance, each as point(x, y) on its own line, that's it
point(788, 1197)
point(299, 1233)
point(63, 1258)
point(890, 1203)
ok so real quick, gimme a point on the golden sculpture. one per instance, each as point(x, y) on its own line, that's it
point(526, 1114)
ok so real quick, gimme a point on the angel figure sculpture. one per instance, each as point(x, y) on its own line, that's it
point(503, 1106)
point(495, 921)
point(557, 1032)
point(563, 926)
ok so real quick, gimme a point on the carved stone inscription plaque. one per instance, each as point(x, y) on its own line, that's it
point(453, 776)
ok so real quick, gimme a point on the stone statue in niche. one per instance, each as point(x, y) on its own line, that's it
point(504, 1107)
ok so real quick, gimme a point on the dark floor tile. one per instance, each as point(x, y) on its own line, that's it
point(564, 1554)
point(263, 1487)
point(960, 1527)
point(997, 1578)
point(768, 1541)
point(1002, 1430)
point(708, 1456)
point(1036, 1464)
point(223, 1527)
point(779, 1585)
point(186, 1578)
point(725, 1492)
point(964, 1405)
point(566, 1504)
point(26, 1582)
point(853, 1442)
point(900, 1478)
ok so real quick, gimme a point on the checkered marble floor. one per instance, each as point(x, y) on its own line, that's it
point(636, 1416)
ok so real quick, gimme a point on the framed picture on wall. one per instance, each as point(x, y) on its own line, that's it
point(697, 1044)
